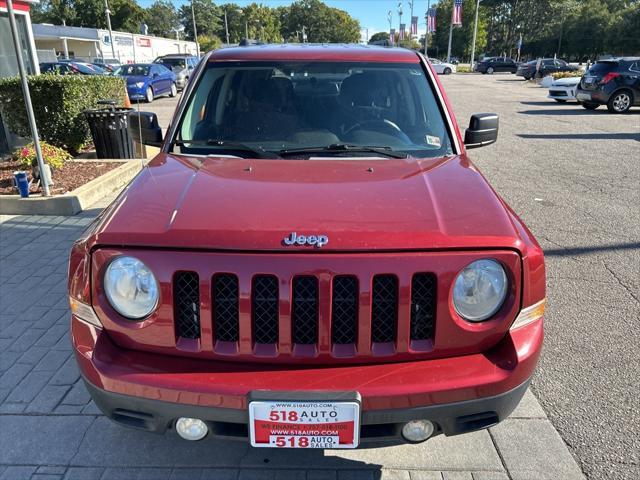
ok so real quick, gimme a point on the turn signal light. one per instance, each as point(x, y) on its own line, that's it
point(530, 314)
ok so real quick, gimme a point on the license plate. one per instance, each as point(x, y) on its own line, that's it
point(583, 96)
point(304, 424)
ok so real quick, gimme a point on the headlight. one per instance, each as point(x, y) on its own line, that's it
point(479, 290)
point(131, 288)
point(140, 84)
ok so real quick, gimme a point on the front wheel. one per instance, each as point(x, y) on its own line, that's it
point(490, 70)
point(174, 90)
point(149, 95)
point(447, 71)
point(590, 105)
point(620, 102)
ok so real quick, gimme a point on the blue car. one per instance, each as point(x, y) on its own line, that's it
point(146, 81)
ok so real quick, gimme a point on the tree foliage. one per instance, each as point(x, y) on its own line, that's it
point(161, 17)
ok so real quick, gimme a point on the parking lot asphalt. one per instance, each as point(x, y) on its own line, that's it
point(573, 176)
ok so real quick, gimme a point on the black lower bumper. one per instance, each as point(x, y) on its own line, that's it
point(378, 427)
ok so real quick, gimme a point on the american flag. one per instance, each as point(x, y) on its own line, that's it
point(392, 36)
point(457, 12)
point(414, 25)
point(401, 33)
point(431, 20)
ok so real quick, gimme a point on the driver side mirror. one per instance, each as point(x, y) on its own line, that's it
point(482, 131)
point(145, 129)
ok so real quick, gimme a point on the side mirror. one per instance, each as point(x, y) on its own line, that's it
point(144, 129)
point(482, 131)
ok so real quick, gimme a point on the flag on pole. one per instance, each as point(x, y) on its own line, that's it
point(392, 36)
point(401, 33)
point(431, 20)
point(414, 25)
point(457, 12)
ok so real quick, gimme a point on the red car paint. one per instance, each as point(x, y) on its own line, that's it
point(399, 216)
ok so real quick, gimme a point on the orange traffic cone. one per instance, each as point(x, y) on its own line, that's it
point(127, 102)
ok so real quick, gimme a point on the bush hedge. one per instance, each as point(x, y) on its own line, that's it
point(58, 103)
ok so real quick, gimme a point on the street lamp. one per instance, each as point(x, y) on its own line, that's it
point(195, 30)
point(108, 14)
point(475, 33)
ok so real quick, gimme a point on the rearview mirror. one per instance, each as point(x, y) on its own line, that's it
point(482, 131)
point(144, 128)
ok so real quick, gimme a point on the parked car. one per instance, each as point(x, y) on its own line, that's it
point(564, 89)
point(146, 81)
point(242, 286)
point(441, 67)
point(180, 64)
point(548, 66)
point(71, 67)
point(109, 64)
point(613, 82)
point(496, 64)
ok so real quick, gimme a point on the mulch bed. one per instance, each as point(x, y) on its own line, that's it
point(71, 176)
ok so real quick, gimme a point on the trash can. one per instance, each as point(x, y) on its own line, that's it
point(110, 130)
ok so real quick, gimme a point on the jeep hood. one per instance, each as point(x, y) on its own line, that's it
point(359, 204)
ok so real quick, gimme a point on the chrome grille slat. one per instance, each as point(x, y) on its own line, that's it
point(186, 300)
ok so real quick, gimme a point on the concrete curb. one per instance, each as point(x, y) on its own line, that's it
point(77, 200)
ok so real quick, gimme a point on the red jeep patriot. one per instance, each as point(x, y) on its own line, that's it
point(311, 261)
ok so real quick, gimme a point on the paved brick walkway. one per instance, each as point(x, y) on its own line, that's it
point(49, 429)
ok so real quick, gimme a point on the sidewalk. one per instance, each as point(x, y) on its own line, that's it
point(50, 429)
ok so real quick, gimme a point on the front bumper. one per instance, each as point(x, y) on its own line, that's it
point(562, 93)
point(460, 394)
point(136, 93)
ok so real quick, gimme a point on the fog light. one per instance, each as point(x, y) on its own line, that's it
point(191, 428)
point(417, 430)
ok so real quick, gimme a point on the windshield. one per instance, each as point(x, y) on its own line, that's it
point(173, 63)
point(318, 107)
point(87, 69)
point(132, 70)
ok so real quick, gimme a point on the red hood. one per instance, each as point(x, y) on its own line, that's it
point(364, 204)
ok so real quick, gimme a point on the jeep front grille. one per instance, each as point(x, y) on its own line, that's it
point(301, 315)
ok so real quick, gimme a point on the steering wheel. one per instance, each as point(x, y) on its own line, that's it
point(381, 126)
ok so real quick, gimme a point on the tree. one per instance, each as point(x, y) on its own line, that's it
point(208, 43)
point(379, 37)
point(320, 23)
point(207, 18)
point(262, 22)
point(161, 17)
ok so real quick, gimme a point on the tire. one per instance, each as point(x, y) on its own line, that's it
point(174, 90)
point(590, 105)
point(149, 95)
point(560, 101)
point(620, 102)
point(490, 70)
point(447, 71)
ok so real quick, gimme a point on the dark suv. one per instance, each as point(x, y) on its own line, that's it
point(613, 82)
point(496, 64)
point(547, 66)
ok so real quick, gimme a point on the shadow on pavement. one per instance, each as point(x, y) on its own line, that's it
point(575, 111)
point(573, 251)
point(581, 136)
point(550, 102)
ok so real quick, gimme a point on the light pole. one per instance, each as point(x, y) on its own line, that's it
point(450, 33)
point(108, 14)
point(226, 26)
point(411, 18)
point(195, 30)
point(27, 98)
point(400, 19)
point(390, 20)
point(426, 34)
point(475, 33)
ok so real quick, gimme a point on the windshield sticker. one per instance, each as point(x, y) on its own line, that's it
point(431, 140)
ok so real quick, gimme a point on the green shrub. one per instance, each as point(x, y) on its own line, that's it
point(464, 69)
point(58, 103)
point(54, 156)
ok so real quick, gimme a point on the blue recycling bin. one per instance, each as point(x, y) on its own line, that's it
point(23, 183)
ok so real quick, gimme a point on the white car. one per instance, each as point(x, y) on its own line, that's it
point(564, 89)
point(443, 68)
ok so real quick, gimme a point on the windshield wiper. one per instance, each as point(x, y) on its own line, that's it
point(345, 147)
point(256, 151)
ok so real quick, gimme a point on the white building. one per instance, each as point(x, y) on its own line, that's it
point(90, 43)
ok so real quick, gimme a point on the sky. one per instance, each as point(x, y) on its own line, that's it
point(372, 14)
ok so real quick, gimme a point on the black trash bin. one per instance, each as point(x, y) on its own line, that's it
point(110, 131)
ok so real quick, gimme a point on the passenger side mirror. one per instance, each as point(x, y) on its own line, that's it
point(144, 128)
point(482, 131)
